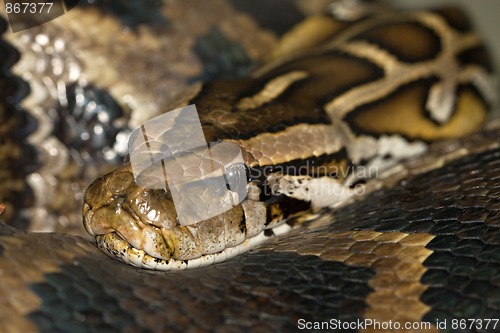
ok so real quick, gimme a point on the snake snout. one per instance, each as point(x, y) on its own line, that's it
point(114, 203)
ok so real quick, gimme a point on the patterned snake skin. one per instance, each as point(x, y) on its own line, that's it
point(422, 245)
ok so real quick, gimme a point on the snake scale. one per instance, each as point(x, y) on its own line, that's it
point(421, 244)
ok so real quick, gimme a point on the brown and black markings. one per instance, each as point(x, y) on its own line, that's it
point(370, 93)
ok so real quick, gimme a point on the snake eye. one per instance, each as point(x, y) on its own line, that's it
point(236, 179)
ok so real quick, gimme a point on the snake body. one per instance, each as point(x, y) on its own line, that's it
point(362, 98)
point(403, 253)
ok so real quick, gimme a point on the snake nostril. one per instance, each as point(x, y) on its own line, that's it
point(118, 200)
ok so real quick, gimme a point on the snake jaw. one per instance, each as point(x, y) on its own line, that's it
point(181, 247)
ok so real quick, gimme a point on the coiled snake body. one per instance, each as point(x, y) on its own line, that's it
point(353, 93)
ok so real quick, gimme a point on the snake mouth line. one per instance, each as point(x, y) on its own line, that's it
point(115, 247)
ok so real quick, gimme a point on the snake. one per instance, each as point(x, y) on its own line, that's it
point(342, 91)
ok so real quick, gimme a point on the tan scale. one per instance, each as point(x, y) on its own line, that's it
point(397, 115)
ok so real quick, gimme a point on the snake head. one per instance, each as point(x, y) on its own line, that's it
point(140, 226)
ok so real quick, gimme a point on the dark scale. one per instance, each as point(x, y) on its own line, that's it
point(268, 233)
point(91, 123)
point(477, 56)
point(392, 35)
point(243, 225)
point(131, 13)
point(455, 17)
point(221, 58)
point(277, 16)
